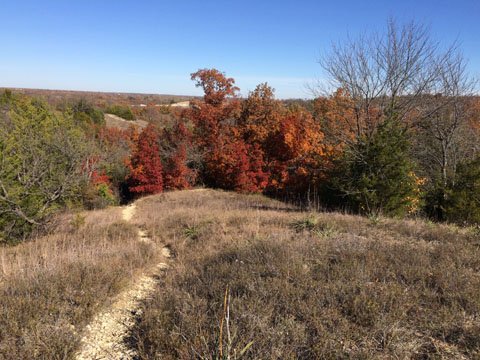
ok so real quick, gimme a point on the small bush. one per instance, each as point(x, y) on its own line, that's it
point(97, 196)
point(77, 222)
point(191, 232)
point(304, 224)
point(313, 225)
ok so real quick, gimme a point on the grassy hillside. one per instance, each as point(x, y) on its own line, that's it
point(294, 284)
point(307, 285)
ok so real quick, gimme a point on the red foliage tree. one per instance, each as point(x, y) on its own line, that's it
point(216, 86)
point(175, 142)
point(145, 164)
point(256, 173)
point(233, 165)
point(217, 111)
point(177, 175)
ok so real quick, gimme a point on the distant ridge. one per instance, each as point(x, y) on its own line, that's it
point(101, 98)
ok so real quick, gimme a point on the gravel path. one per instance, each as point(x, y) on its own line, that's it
point(105, 336)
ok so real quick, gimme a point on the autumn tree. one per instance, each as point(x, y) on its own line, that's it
point(297, 157)
point(216, 86)
point(233, 165)
point(213, 119)
point(337, 119)
point(218, 110)
point(145, 164)
point(176, 144)
point(227, 160)
point(260, 115)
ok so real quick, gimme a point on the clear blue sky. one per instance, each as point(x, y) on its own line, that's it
point(153, 46)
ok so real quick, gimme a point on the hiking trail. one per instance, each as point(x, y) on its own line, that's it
point(105, 337)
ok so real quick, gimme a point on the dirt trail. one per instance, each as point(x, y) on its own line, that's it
point(106, 334)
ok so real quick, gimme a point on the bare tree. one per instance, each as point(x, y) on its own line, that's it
point(444, 134)
point(404, 74)
point(385, 74)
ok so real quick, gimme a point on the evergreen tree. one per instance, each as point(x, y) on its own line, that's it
point(378, 174)
point(42, 157)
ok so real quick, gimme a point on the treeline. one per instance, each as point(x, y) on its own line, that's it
point(379, 159)
point(398, 136)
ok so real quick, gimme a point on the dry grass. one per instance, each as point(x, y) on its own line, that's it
point(294, 285)
point(307, 285)
point(52, 286)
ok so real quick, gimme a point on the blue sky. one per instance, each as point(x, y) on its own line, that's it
point(153, 46)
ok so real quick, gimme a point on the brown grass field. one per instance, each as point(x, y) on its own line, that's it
point(250, 278)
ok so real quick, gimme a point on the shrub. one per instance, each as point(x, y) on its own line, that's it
point(123, 111)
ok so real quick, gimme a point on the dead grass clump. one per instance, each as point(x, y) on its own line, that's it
point(387, 290)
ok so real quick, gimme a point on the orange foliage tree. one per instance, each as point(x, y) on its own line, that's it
point(218, 109)
point(216, 86)
point(298, 157)
point(260, 115)
point(337, 118)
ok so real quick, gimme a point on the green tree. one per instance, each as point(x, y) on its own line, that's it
point(378, 175)
point(85, 113)
point(41, 164)
point(463, 199)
